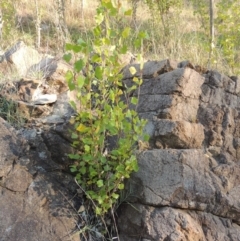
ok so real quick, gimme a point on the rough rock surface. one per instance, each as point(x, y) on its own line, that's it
point(35, 202)
point(188, 184)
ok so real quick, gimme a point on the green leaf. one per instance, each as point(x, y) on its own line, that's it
point(135, 165)
point(68, 46)
point(121, 186)
point(73, 169)
point(87, 148)
point(74, 156)
point(128, 12)
point(143, 35)
point(136, 80)
point(76, 48)
point(93, 173)
point(82, 128)
point(81, 42)
point(69, 78)
point(67, 57)
point(123, 49)
point(99, 18)
point(99, 73)
point(98, 211)
point(69, 75)
point(97, 31)
point(107, 168)
point(134, 100)
point(125, 32)
point(100, 200)
point(120, 168)
point(132, 70)
point(146, 137)
point(83, 170)
point(78, 65)
point(137, 43)
point(115, 195)
point(100, 183)
point(74, 136)
point(80, 81)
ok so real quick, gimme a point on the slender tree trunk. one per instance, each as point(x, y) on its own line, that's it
point(62, 29)
point(1, 24)
point(211, 15)
point(38, 25)
point(134, 12)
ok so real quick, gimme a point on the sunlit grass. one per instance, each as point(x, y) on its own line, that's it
point(184, 39)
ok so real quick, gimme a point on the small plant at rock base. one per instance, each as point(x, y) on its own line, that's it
point(9, 112)
point(104, 113)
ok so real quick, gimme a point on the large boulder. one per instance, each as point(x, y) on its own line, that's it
point(22, 57)
point(187, 187)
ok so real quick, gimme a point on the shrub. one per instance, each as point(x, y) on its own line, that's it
point(104, 111)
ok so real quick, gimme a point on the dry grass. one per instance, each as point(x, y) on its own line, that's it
point(185, 39)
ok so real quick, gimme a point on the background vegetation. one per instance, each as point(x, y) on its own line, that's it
point(177, 29)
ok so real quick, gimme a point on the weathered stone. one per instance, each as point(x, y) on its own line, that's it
point(178, 134)
point(219, 89)
point(45, 99)
point(54, 71)
point(151, 69)
point(18, 180)
point(215, 79)
point(34, 202)
point(161, 224)
point(5, 68)
point(185, 82)
point(185, 64)
point(169, 107)
point(22, 57)
point(182, 178)
point(44, 67)
point(10, 148)
point(27, 89)
point(31, 110)
point(62, 106)
point(58, 147)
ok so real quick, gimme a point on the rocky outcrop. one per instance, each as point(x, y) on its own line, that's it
point(41, 80)
point(37, 200)
point(188, 184)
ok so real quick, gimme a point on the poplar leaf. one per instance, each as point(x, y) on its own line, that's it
point(125, 32)
point(128, 12)
point(134, 100)
point(99, 18)
point(121, 186)
point(67, 57)
point(100, 183)
point(82, 128)
point(115, 195)
point(98, 72)
point(78, 66)
point(80, 81)
point(132, 70)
